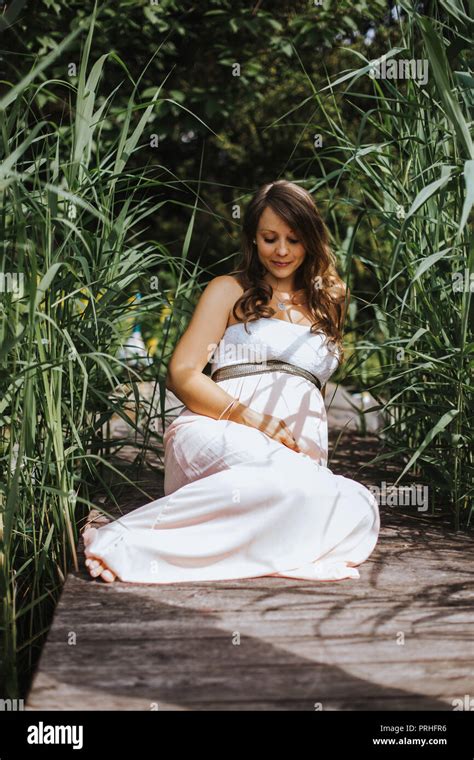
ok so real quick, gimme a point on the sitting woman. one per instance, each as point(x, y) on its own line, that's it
point(247, 489)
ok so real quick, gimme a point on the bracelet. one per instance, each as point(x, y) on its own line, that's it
point(228, 405)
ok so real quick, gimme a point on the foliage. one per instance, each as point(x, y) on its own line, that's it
point(412, 189)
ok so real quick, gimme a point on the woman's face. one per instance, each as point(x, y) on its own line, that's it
point(279, 248)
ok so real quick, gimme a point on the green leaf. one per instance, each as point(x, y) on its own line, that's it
point(442, 423)
point(427, 192)
point(469, 197)
point(440, 67)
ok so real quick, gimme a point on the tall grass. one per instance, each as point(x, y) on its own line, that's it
point(74, 248)
point(410, 180)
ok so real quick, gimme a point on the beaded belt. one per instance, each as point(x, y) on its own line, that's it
point(255, 368)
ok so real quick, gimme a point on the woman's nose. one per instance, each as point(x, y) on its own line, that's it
point(282, 248)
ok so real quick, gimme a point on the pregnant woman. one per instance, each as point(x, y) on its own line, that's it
point(247, 489)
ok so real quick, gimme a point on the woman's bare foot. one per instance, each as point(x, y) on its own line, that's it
point(97, 566)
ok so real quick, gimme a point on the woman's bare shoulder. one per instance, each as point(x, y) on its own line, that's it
point(228, 288)
point(226, 282)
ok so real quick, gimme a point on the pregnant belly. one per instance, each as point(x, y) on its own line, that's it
point(288, 397)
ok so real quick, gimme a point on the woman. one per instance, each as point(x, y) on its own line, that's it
point(247, 489)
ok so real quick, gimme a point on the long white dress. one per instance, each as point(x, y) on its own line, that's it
point(239, 504)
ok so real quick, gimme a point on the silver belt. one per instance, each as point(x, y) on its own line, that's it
point(255, 368)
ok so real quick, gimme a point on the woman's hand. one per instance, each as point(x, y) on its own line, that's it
point(272, 426)
point(278, 429)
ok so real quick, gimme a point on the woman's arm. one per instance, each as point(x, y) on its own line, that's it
point(193, 351)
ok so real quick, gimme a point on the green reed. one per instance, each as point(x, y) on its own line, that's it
point(407, 183)
point(74, 249)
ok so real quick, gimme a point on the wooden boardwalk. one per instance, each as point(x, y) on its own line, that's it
point(400, 637)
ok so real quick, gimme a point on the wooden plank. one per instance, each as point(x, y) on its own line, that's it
point(151, 678)
point(283, 623)
point(272, 649)
point(62, 696)
point(135, 646)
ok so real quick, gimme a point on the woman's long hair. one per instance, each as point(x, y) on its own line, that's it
point(317, 275)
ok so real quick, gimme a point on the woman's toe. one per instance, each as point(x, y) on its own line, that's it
point(96, 568)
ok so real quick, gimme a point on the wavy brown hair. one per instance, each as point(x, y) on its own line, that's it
point(317, 276)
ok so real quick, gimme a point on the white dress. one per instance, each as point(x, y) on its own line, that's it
point(239, 504)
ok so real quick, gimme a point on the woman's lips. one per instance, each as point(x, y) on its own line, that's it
point(281, 263)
